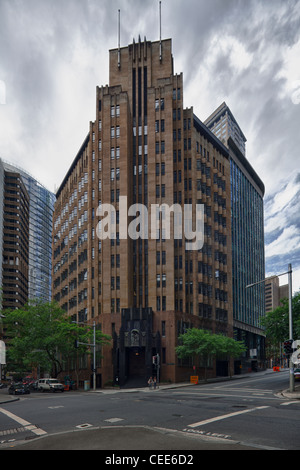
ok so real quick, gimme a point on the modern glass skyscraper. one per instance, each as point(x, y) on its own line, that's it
point(247, 227)
point(40, 235)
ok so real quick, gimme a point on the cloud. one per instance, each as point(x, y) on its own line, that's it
point(54, 54)
point(287, 241)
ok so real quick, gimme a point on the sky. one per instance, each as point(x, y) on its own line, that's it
point(54, 53)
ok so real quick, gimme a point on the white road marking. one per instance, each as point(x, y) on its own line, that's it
point(289, 403)
point(230, 415)
point(28, 426)
point(208, 394)
point(113, 420)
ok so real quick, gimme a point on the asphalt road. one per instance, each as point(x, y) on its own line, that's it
point(246, 414)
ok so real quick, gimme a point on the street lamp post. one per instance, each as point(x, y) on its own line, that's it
point(289, 272)
point(94, 350)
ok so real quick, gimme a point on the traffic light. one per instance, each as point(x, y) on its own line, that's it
point(287, 346)
point(76, 343)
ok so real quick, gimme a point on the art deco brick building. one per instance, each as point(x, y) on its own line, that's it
point(144, 292)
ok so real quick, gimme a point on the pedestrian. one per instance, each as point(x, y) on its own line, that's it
point(154, 383)
point(150, 382)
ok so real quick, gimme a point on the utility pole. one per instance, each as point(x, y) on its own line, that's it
point(289, 272)
point(292, 378)
point(91, 346)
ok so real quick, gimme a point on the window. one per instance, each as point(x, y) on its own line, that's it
point(163, 328)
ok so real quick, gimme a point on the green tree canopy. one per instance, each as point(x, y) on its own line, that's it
point(201, 343)
point(276, 322)
point(40, 334)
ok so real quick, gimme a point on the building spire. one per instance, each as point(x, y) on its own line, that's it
point(160, 44)
point(119, 34)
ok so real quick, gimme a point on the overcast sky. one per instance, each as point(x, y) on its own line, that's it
point(53, 54)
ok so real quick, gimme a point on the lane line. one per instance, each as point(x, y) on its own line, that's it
point(201, 395)
point(289, 403)
point(23, 422)
point(230, 415)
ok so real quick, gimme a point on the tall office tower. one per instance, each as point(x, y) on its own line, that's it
point(1, 221)
point(15, 240)
point(41, 206)
point(144, 287)
point(247, 223)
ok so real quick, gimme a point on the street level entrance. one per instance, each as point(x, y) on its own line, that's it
point(135, 345)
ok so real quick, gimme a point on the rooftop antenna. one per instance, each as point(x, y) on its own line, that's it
point(119, 34)
point(160, 45)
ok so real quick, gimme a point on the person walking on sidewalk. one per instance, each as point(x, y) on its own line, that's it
point(150, 382)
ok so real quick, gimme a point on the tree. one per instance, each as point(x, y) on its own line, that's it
point(276, 322)
point(197, 343)
point(40, 334)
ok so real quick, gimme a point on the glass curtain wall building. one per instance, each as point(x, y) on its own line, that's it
point(40, 236)
point(247, 227)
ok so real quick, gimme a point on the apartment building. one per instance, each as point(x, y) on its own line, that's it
point(39, 214)
point(274, 293)
point(15, 240)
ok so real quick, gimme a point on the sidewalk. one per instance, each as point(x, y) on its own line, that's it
point(163, 386)
point(6, 398)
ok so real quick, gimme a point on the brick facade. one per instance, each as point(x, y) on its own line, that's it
point(143, 145)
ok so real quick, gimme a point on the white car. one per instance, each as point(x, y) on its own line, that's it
point(51, 385)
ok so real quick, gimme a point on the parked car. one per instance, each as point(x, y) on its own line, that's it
point(297, 374)
point(50, 385)
point(32, 383)
point(18, 389)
